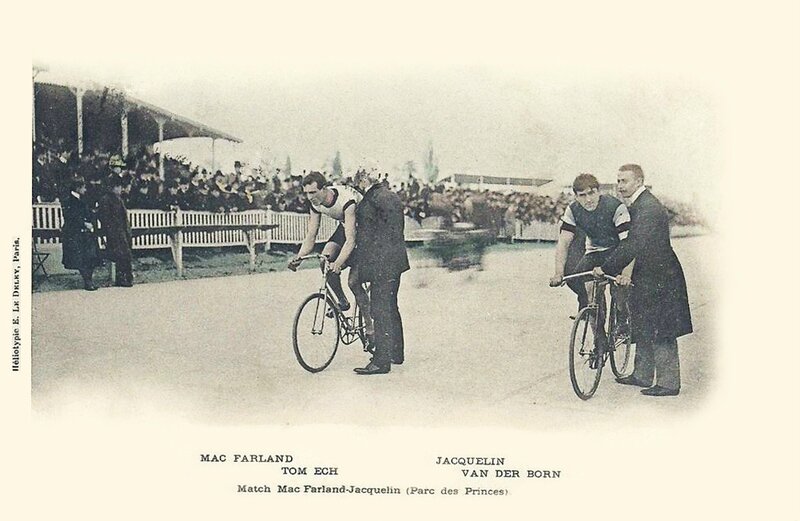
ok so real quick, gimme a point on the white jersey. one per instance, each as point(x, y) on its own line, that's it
point(343, 197)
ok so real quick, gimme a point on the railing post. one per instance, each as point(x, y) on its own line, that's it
point(177, 242)
point(269, 219)
point(250, 236)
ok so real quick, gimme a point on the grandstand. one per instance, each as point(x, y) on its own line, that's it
point(495, 183)
point(85, 116)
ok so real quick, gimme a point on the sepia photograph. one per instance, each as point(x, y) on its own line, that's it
point(364, 253)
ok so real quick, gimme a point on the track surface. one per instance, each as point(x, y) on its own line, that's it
point(482, 348)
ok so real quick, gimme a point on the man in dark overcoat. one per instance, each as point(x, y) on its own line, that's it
point(79, 243)
point(381, 259)
point(659, 302)
point(117, 231)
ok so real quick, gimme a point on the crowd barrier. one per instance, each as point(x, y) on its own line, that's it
point(291, 227)
point(179, 229)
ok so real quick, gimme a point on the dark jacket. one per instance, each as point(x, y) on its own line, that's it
point(659, 301)
point(80, 250)
point(114, 226)
point(380, 243)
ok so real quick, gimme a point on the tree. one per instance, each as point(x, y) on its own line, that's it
point(431, 165)
point(337, 166)
point(287, 170)
point(410, 167)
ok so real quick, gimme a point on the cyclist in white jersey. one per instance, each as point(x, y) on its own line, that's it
point(338, 202)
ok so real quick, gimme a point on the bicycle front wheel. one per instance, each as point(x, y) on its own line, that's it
point(619, 338)
point(585, 362)
point(315, 334)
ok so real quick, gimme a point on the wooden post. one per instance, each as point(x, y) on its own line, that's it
point(123, 119)
point(268, 219)
point(250, 235)
point(33, 105)
point(79, 92)
point(161, 122)
point(177, 242)
point(213, 156)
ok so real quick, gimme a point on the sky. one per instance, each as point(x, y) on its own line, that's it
point(478, 119)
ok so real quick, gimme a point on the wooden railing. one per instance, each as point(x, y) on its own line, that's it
point(290, 228)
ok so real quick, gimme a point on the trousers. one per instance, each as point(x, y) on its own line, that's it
point(389, 343)
point(658, 361)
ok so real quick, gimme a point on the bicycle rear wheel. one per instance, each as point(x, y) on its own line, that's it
point(585, 362)
point(619, 338)
point(315, 334)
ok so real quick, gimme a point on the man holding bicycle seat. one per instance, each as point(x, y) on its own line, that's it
point(338, 202)
point(605, 221)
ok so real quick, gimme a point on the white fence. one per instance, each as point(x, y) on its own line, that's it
point(291, 227)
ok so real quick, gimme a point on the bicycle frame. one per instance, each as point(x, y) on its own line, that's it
point(595, 291)
point(590, 320)
point(348, 326)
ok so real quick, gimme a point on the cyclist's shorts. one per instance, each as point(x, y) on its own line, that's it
point(338, 236)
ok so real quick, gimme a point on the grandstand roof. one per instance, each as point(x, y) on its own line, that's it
point(175, 125)
point(495, 180)
point(179, 126)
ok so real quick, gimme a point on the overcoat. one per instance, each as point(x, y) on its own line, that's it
point(79, 245)
point(115, 227)
point(659, 302)
point(380, 243)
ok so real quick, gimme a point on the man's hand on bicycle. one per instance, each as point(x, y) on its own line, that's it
point(294, 263)
point(556, 280)
point(336, 266)
point(623, 280)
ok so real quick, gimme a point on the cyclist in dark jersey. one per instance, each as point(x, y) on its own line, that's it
point(605, 221)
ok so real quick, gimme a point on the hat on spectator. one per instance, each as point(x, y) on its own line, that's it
point(116, 161)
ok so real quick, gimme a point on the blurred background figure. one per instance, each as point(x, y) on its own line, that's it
point(115, 227)
point(80, 250)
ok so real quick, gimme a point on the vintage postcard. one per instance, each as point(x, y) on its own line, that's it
point(176, 346)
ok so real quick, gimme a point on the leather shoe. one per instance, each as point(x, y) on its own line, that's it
point(373, 368)
point(657, 390)
point(632, 380)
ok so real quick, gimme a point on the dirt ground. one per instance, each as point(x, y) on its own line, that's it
point(483, 348)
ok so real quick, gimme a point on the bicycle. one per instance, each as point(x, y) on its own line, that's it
point(320, 324)
point(586, 356)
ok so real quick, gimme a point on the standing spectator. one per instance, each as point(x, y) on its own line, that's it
point(114, 221)
point(659, 300)
point(80, 251)
point(381, 259)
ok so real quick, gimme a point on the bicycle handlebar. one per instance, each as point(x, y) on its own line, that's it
point(585, 274)
point(312, 256)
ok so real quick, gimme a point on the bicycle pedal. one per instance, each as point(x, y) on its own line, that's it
point(330, 313)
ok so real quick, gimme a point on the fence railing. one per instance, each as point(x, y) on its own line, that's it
point(291, 227)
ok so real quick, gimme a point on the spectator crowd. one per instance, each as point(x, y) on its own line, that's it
point(190, 187)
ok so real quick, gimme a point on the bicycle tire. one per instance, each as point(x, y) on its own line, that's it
point(315, 335)
point(585, 378)
point(619, 340)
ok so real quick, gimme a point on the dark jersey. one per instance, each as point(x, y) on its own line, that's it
point(605, 226)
